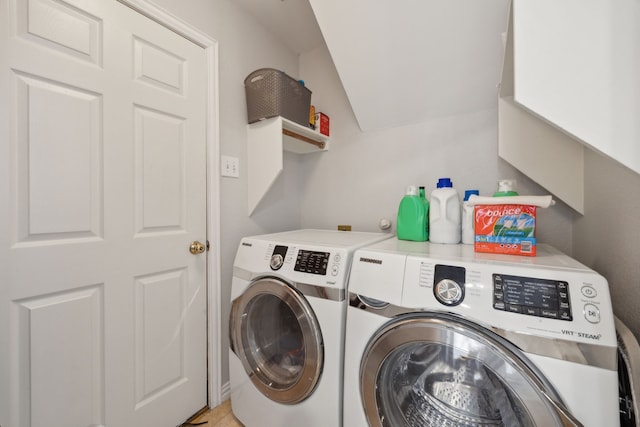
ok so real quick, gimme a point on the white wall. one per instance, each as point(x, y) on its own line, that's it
point(363, 175)
point(606, 238)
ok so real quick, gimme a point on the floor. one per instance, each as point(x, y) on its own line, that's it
point(220, 416)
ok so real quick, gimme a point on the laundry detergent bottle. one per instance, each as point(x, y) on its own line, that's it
point(412, 216)
point(444, 213)
point(506, 187)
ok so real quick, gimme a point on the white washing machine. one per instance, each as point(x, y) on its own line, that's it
point(438, 335)
point(287, 326)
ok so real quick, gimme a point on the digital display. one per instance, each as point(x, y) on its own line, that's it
point(531, 296)
point(536, 294)
point(312, 262)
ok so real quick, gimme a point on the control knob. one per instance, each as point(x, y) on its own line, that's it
point(276, 261)
point(448, 292)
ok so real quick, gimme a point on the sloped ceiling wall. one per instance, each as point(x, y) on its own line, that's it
point(408, 61)
point(291, 21)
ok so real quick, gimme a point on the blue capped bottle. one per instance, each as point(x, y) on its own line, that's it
point(468, 218)
point(444, 213)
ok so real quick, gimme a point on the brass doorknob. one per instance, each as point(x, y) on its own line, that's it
point(196, 247)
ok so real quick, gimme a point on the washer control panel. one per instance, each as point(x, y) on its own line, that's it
point(551, 295)
point(531, 296)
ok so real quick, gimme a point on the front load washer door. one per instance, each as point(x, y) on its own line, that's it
point(439, 370)
point(275, 333)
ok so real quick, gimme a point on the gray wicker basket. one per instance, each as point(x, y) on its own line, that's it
point(273, 93)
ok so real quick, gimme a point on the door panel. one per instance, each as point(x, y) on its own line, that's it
point(160, 145)
point(103, 151)
point(59, 191)
point(59, 26)
point(47, 358)
point(158, 67)
point(159, 352)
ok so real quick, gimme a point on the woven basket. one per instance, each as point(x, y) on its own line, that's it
point(273, 93)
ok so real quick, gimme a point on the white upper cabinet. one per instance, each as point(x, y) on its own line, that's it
point(537, 148)
point(408, 61)
point(577, 65)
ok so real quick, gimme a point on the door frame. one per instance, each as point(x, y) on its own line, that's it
point(210, 47)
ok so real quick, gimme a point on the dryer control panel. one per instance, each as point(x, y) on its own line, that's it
point(531, 296)
point(313, 262)
point(307, 261)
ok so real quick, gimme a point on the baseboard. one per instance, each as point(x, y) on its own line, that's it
point(225, 393)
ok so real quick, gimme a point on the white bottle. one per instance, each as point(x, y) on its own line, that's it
point(468, 218)
point(444, 213)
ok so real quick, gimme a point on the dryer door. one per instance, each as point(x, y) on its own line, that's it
point(439, 370)
point(276, 335)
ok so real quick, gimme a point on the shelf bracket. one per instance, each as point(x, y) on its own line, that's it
point(319, 144)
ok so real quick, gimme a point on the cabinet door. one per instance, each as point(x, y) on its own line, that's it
point(576, 64)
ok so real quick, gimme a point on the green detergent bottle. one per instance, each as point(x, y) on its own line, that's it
point(506, 187)
point(412, 218)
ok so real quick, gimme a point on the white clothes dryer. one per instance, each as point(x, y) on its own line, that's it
point(287, 326)
point(438, 335)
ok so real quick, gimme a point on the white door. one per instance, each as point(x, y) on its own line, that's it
point(102, 191)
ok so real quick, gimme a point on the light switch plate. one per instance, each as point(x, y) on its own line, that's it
point(230, 166)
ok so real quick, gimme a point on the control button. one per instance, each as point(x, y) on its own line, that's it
point(498, 305)
point(514, 308)
point(336, 258)
point(591, 313)
point(553, 314)
point(497, 286)
point(334, 270)
point(532, 311)
point(498, 296)
point(563, 296)
point(564, 305)
point(565, 315)
point(589, 291)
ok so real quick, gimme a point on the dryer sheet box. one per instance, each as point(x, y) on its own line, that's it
point(322, 123)
point(505, 229)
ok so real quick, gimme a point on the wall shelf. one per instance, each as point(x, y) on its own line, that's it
point(266, 142)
